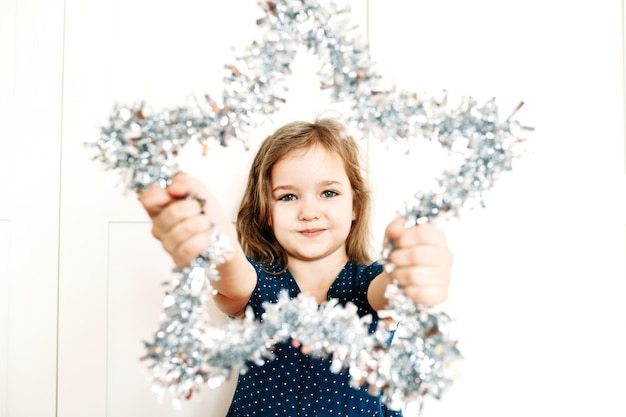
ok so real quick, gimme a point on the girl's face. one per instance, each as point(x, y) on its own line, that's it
point(312, 209)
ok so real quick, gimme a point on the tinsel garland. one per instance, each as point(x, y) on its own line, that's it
point(187, 351)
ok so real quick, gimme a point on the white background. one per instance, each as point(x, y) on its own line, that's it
point(539, 290)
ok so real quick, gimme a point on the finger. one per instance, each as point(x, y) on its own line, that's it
point(173, 214)
point(424, 234)
point(183, 185)
point(190, 248)
point(183, 231)
point(422, 276)
point(424, 255)
point(154, 199)
point(405, 236)
point(429, 296)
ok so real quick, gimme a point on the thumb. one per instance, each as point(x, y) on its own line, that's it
point(181, 186)
point(395, 229)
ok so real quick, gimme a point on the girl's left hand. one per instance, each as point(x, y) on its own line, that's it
point(421, 261)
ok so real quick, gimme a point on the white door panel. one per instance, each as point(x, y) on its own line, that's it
point(31, 61)
point(137, 268)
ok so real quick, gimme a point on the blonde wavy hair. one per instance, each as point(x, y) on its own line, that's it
point(253, 220)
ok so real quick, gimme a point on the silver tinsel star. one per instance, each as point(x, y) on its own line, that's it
point(410, 354)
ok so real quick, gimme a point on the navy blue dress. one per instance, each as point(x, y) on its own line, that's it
point(297, 385)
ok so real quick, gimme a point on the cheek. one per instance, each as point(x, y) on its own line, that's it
point(271, 214)
point(275, 216)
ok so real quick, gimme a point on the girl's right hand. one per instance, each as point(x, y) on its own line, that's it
point(180, 223)
point(185, 216)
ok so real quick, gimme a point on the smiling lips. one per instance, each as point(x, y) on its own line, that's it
point(311, 233)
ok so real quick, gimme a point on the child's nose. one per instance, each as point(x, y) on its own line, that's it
point(308, 210)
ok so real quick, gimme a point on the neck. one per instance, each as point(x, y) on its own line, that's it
point(316, 277)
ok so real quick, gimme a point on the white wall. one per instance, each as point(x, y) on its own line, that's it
point(31, 87)
point(539, 288)
point(539, 282)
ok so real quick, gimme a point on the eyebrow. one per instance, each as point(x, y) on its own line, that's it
point(325, 183)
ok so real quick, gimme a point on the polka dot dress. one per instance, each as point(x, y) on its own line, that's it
point(294, 384)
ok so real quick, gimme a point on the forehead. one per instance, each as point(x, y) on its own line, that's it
point(310, 161)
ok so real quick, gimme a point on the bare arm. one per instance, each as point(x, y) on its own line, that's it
point(183, 227)
point(422, 264)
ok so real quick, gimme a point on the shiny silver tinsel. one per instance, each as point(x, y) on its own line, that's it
point(140, 148)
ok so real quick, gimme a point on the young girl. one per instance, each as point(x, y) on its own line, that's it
point(303, 226)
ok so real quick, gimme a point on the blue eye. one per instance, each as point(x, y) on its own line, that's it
point(287, 197)
point(329, 193)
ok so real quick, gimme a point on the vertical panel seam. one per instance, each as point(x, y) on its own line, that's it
point(106, 328)
point(623, 60)
point(59, 206)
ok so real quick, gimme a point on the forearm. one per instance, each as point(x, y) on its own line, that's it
point(237, 281)
point(376, 291)
point(237, 277)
